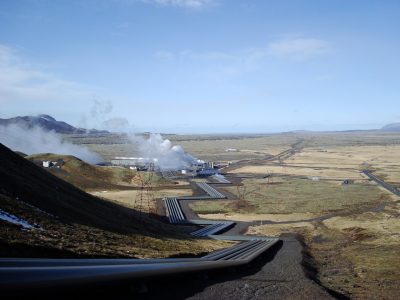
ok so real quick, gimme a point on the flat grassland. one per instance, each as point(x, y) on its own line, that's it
point(351, 231)
point(248, 147)
point(140, 200)
point(356, 254)
point(207, 147)
point(287, 196)
point(342, 162)
point(312, 171)
point(385, 159)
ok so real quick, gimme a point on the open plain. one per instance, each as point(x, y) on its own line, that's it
point(349, 224)
point(303, 187)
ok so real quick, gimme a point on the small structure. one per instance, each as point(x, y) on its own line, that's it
point(58, 163)
point(140, 163)
point(348, 181)
point(47, 164)
point(206, 172)
point(52, 164)
point(209, 165)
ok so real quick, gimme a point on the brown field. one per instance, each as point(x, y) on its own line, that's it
point(288, 196)
point(132, 198)
point(331, 173)
point(249, 147)
point(208, 147)
point(256, 217)
point(357, 254)
point(356, 248)
point(383, 158)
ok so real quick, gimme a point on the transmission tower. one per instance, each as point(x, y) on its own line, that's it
point(144, 200)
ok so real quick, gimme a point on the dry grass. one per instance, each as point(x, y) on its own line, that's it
point(356, 254)
point(132, 199)
point(278, 229)
point(384, 227)
point(113, 149)
point(66, 240)
point(249, 147)
point(85, 175)
point(306, 171)
point(208, 147)
point(384, 158)
point(286, 196)
point(255, 217)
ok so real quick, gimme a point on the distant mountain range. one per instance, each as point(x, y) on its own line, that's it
point(391, 127)
point(48, 123)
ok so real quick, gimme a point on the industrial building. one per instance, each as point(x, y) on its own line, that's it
point(136, 163)
point(198, 168)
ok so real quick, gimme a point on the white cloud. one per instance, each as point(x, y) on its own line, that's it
point(233, 63)
point(227, 64)
point(300, 48)
point(191, 4)
point(294, 48)
point(23, 82)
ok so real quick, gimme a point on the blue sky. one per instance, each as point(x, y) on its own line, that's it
point(200, 66)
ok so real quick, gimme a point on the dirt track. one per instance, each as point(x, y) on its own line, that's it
point(279, 274)
point(281, 278)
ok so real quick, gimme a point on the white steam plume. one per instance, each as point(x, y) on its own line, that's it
point(36, 140)
point(168, 156)
point(100, 117)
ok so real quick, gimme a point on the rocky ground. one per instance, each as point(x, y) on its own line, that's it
point(285, 272)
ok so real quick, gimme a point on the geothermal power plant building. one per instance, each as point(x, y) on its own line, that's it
point(133, 161)
point(200, 168)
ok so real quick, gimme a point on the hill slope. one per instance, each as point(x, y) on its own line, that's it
point(47, 123)
point(391, 127)
point(84, 175)
point(73, 223)
point(87, 176)
point(20, 178)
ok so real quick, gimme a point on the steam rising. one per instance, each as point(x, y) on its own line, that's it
point(36, 140)
point(167, 156)
point(100, 117)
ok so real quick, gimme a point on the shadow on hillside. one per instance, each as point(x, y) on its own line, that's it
point(183, 287)
point(25, 182)
point(164, 287)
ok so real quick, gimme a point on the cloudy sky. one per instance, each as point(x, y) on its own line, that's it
point(202, 65)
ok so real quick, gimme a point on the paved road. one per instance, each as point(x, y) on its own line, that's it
point(381, 182)
point(294, 148)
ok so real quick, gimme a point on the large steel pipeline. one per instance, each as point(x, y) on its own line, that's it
point(17, 274)
point(20, 273)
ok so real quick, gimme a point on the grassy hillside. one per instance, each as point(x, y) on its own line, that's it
point(72, 221)
point(87, 176)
